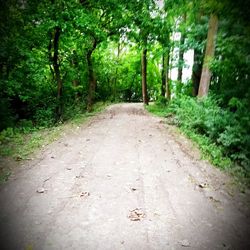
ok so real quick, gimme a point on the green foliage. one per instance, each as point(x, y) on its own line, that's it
point(44, 117)
point(28, 79)
point(161, 101)
point(222, 135)
point(228, 130)
point(21, 142)
point(159, 108)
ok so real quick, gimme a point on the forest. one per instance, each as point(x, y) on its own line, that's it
point(185, 60)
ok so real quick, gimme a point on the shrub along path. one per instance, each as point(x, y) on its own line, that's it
point(122, 181)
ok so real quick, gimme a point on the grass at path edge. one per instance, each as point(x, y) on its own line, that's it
point(209, 151)
point(20, 145)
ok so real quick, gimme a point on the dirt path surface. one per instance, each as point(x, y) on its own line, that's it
point(121, 181)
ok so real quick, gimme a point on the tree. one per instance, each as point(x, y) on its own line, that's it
point(163, 30)
point(181, 50)
point(104, 20)
point(54, 42)
point(144, 76)
point(91, 75)
point(210, 48)
point(196, 39)
point(143, 23)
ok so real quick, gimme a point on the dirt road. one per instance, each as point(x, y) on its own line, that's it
point(121, 181)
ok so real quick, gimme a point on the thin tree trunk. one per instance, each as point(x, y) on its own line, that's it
point(181, 57)
point(198, 59)
point(169, 73)
point(163, 76)
point(144, 76)
point(50, 55)
point(91, 77)
point(210, 49)
point(196, 72)
point(181, 53)
point(116, 70)
point(57, 72)
point(165, 89)
point(167, 85)
point(75, 81)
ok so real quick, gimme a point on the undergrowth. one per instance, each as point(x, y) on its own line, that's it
point(221, 134)
point(21, 142)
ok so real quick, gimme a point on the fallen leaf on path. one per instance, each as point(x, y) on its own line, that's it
point(84, 194)
point(213, 199)
point(79, 176)
point(185, 243)
point(203, 185)
point(226, 246)
point(40, 190)
point(136, 215)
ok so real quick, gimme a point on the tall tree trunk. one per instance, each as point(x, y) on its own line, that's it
point(169, 73)
point(165, 89)
point(181, 53)
point(210, 48)
point(57, 72)
point(50, 55)
point(91, 77)
point(163, 75)
point(196, 72)
point(181, 57)
point(198, 60)
point(167, 82)
point(116, 70)
point(75, 82)
point(144, 76)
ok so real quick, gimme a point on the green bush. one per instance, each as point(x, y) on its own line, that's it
point(44, 117)
point(25, 126)
point(7, 135)
point(161, 101)
point(227, 130)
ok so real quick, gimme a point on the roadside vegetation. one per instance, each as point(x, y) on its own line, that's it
point(222, 135)
point(20, 143)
